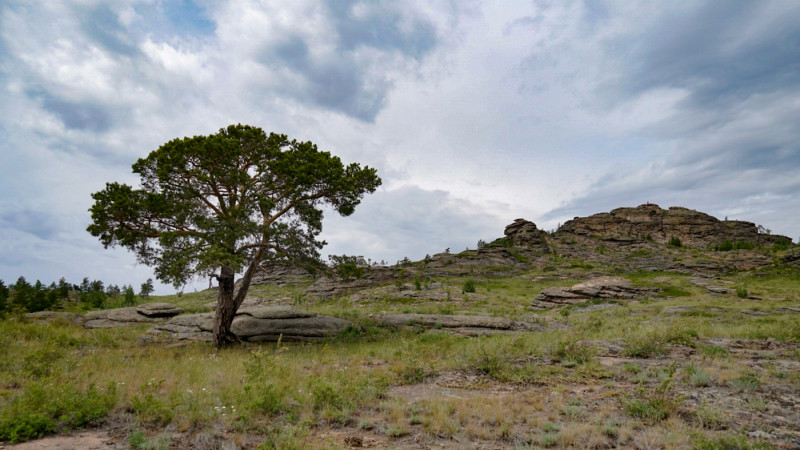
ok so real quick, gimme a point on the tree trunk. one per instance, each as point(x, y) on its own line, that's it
point(226, 310)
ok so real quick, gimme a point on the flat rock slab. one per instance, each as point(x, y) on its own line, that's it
point(467, 325)
point(257, 323)
point(600, 287)
point(713, 286)
point(132, 315)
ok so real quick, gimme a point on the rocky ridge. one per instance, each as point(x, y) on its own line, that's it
point(693, 228)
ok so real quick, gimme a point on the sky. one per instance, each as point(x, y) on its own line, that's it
point(474, 113)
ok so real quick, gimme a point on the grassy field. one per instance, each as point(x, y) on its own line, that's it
point(683, 369)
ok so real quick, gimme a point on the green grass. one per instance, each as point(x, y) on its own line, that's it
point(517, 387)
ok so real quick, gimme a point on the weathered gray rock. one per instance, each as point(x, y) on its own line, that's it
point(333, 286)
point(468, 325)
point(713, 286)
point(158, 309)
point(693, 228)
point(524, 233)
point(792, 257)
point(259, 323)
point(279, 274)
point(600, 287)
point(132, 315)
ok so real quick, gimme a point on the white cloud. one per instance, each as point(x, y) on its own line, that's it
point(474, 113)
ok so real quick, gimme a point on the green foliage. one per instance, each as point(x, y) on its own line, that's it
point(146, 288)
point(745, 383)
point(224, 203)
point(741, 292)
point(672, 291)
point(728, 246)
point(728, 441)
point(347, 267)
point(149, 405)
point(570, 352)
point(714, 351)
point(468, 286)
point(43, 408)
point(656, 405)
point(264, 398)
point(782, 244)
point(130, 297)
point(231, 199)
point(4, 293)
point(674, 241)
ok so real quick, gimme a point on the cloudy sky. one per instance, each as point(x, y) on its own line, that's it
point(474, 113)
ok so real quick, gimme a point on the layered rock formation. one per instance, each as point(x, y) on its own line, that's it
point(523, 233)
point(600, 287)
point(693, 228)
point(261, 323)
point(120, 317)
point(466, 325)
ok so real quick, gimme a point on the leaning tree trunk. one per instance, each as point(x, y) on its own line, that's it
point(226, 310)
point(227, 304)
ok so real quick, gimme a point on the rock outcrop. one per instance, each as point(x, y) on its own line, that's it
point(792, 257)
point(280, 274)
point(600, 287)
point(693, 228)
point(122, 317)
point(261, 323)
point(467, 325)
point(524, 233)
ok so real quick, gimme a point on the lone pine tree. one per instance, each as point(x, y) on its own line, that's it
point(221, 204)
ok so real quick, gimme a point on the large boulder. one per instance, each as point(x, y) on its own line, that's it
point(693, 228)
point(596, 288)
point(524, 233)
point(258, 323)
point(132, 315)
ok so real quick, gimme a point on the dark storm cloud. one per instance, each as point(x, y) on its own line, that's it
point(346, 82)
point(381, 30)
point(102, 25)
point(37, 223)
point(84, 116)
point(719, 53)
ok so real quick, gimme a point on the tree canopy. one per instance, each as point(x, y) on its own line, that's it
point(220, 204)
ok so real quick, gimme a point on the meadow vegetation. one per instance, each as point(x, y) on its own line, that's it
point(684, 368)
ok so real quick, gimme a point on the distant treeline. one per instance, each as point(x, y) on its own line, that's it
point(23, 296)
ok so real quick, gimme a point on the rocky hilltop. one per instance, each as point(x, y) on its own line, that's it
point(693, 228)
point(623, 240)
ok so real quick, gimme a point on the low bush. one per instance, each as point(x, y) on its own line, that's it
point(40, 409)
point(468, 286)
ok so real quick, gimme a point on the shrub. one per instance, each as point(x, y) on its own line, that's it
point(674, 241)
point(741, 292)
point(347, 267)
point(41, 409)
point(655, 406)
point(746, 383)
point(264, 398)
point(645, 348)
point(468, 286)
